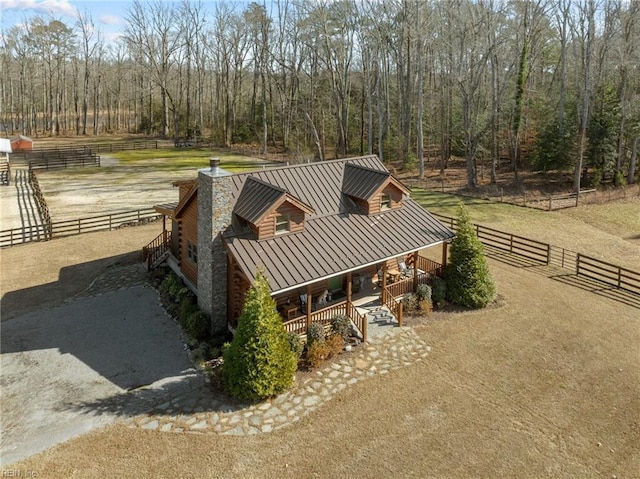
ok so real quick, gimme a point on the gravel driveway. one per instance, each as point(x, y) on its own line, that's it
point(69, 369)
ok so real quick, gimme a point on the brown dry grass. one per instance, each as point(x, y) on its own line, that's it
point(545, 384)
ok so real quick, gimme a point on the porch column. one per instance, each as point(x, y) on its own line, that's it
point(415, 270)
point(445, 247)
point(309, 298)
point(348, 293)
point(384, 282)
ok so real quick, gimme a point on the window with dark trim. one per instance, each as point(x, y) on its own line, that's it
point(385, 201)
point(192, 252)
point(283, 224)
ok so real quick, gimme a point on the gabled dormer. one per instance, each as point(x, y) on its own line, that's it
point(269, 210)
point(372, 190)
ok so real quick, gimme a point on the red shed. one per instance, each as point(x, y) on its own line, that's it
point(21, 143)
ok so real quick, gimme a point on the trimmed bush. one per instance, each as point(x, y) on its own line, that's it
point(197, 324)
point(315, 334)
point(410, 302)
point(335, 345)
point(295, 344)
point(259, 362)
point(317, 353)
point(438, 291)
point(469, 282)
point(423, 291)
point(341, 326)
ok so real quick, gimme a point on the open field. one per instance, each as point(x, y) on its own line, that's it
point(544, 384)
point(128, 180)
point(609, 232)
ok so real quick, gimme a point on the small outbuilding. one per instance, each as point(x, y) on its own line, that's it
point(21, 143)
point(5, 149)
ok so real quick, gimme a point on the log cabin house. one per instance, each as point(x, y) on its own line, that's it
point(322, 232)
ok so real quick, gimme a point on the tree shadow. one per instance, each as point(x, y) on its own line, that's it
point(187, 394)
point(557, 273)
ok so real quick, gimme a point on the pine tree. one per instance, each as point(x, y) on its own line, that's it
point(259, 362)
point(469, 281)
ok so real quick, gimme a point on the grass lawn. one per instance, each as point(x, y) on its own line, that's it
point(172, 159)
point(610, 232)
point(543, 385)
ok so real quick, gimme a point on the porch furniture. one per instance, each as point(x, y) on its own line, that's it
point(291, 311)
point(303, 301)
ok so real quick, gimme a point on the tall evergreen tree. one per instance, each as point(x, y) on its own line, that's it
point(469, 282)
point(259, 362)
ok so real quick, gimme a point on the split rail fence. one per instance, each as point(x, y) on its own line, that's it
point(90, 224)
point(545, 253)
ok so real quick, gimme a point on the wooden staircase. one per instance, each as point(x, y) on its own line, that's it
point(157, 250)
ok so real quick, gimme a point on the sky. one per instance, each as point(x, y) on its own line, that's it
point(107, 15)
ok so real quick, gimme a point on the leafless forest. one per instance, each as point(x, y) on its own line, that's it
point(547, 84)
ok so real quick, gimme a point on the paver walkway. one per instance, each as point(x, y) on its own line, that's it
point(207, 413)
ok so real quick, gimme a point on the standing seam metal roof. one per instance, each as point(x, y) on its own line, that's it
point(335, 238)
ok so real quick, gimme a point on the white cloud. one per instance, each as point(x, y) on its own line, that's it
point(108, 19)
point(53, 7)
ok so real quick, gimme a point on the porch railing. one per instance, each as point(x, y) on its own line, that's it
point(400, 288)
point(360, 320)
point(393, 304)
point(156, 248)
point(325, 315)
point(430, 267)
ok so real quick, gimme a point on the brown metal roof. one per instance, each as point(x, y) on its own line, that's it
point(318, 185)
point(256, 198)
point(334, 244)
point(362, 182)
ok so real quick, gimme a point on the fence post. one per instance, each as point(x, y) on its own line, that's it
point(511, 243)
point(548, 253)
point(578, 263)
point(550, 203)
point(79, 227)
point(619, 277)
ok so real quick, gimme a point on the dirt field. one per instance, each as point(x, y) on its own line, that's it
point(547, 384)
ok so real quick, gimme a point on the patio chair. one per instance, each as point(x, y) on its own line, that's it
point(303, 301)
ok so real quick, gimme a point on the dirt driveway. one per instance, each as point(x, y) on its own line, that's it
point(58, 362)
point(77, 336)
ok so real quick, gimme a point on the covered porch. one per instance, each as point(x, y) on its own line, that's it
point(365, 295)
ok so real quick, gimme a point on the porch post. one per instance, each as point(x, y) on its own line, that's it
point(348, 293)
point(384, 282)
point(445, 247)
point(164, 222)
point(309, 298)
point(415, 270)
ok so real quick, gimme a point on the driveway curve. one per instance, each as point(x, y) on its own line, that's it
point(57, 363)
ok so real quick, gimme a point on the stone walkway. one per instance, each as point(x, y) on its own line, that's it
point(206, 413)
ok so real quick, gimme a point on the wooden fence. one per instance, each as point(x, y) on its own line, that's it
point(41, 204)
point(95, 147)
point(393, 304)
point(60, 229)
point(621, 278)
point(70, 160)
point(545, 253)
point(5, 173)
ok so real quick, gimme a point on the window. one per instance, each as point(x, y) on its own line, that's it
point(282, 224)
point(192, 252)
point(385, 201)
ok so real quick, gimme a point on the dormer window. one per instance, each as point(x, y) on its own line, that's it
point(385, 201)
point(283, 224)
